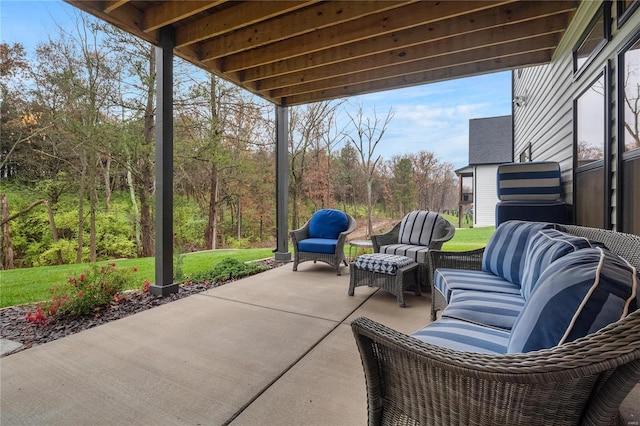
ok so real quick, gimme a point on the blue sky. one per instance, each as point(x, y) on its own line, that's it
point(433, 117)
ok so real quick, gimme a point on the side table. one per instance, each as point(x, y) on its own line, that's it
point(365, 244)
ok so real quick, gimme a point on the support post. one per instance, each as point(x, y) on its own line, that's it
point(282, 253)
point(164, 284)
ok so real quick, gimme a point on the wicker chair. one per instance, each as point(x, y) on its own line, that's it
point(410, 382)
point(444, 231)
point(335, 258)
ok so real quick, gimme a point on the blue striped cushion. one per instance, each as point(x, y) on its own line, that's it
point(417, 253)
point(576, 295)
point(544, 248)
point(529, 181)
point(493, 309)
point(418, 228)
point(464, 336)
point(328, 223)
point(382, 263)
point(448, 280)
point(504, 254)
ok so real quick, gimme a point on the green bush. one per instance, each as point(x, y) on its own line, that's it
point(227, 269)
point(242, 243)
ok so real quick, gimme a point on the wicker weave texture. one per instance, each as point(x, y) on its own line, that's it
point(394, 284)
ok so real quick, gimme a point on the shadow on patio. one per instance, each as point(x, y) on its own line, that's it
point(275, 348)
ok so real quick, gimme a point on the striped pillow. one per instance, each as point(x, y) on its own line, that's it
point(544, 248)
point(529, 181)
point(576, 295)
point(418, 228)
point(504, 254)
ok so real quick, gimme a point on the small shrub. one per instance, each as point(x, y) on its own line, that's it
point(95, 287)
point(227, 269)
point(242, 243)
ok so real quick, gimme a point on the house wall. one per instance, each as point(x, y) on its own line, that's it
point(546, 120)
point(485, 195)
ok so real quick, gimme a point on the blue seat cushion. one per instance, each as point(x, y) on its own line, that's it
point(327, 223)
point(382, 263)
point(448, 280)
point(505, 252)
point(576, 295)
point(464, 336)
point(493, 309)
point(532, 210)
point(417, 253)
point(318, 245)
point(545, 247)
point(418, 228)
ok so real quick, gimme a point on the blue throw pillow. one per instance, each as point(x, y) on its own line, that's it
point(327, 223)
point(504, 254)
point(576, 295)
point(545, 247)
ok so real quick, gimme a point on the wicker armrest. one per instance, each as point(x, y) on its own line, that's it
point(412, 382)
point(298, 235)
point(471, 259)
point(389, 237)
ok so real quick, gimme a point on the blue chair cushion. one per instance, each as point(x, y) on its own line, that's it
point(529, 181)
point(504, 254)
point(577, 295)
point(492, 309)
point(318, 245)
point(464, 336)
point(418, 228)
point(417, 253)
point(381, 263)
point(327, 223)
point(544, 248)
point(448, 280)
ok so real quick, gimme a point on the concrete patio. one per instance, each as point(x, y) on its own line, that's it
point(272, 349)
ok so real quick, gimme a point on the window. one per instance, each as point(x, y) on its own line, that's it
point(625, 9)
point(595, 37)
point(591, 185)
point(628, 195)
point(525, 155)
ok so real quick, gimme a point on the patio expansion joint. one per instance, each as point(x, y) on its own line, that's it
point(296, 361)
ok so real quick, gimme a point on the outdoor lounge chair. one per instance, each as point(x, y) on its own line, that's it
point(322, 238)
point(417, 233)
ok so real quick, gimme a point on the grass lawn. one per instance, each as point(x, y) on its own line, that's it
point(19, 286)
point(469, 239)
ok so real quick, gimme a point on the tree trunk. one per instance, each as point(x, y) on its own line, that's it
point(239, 222)
point(212, 224)
point(146, 171)
point(93, 196)
point(107, 183)
point(81, 213)
point(7, 260)
point(54, 231)
point(136, 211)
point(369, 209)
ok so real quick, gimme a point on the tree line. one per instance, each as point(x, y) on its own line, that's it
point(77, 155)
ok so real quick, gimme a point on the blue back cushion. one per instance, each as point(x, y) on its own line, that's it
point(529, 181)
point(544, 248)
point(327, 223)
point(505, 252)
point(418, 228)
point(577, 295)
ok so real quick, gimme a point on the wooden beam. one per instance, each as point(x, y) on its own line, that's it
point(170, 12)
point(110, 6)
point(284, 26)
point(508, 48)
point(233, 18)
point(346, 59)
point(449, 73)
point(370, 27)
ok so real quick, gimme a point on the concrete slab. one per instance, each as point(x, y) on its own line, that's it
point(327, 387)
point(313, 290)
point(8, 347)
point(193, 361)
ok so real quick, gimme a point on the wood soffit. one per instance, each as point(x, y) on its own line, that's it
point(297, 52)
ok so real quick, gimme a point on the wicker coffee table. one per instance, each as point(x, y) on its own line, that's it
point(386, 271)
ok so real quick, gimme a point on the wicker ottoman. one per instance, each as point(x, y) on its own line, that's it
point(389, 272)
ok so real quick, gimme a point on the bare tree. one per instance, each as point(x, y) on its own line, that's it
point(368, 134)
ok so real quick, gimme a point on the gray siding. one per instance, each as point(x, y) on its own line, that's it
point(546, 121)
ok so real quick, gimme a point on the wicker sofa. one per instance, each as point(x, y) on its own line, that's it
point(442, 375)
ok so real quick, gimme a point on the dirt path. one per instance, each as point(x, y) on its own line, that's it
point(379, 226)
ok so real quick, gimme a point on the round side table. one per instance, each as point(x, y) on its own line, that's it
point(365, 244)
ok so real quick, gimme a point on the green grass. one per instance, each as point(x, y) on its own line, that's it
point(469, 239)
point(20, 286)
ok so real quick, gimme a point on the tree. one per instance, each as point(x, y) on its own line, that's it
point(368, 134)
point(403, 186)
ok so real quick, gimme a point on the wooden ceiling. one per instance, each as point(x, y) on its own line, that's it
point(296, 52)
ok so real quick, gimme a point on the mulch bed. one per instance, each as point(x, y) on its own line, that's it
point(13, 325)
